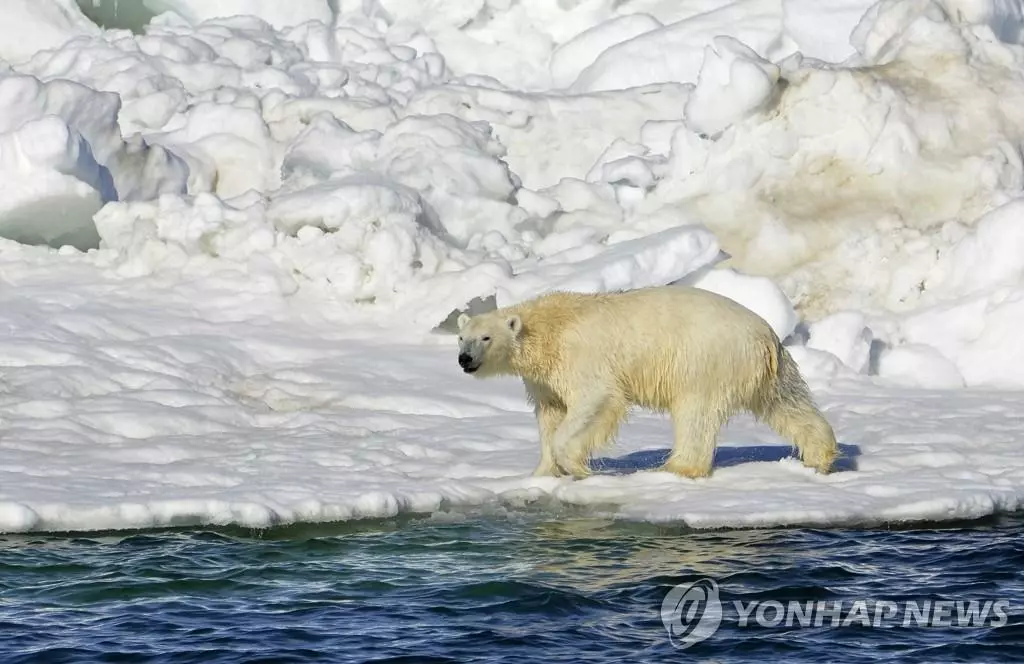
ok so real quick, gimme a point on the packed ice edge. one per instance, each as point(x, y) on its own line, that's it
point(226, 240)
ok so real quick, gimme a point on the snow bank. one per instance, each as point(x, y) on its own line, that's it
point(358, 175)
point(653, 260)
point(674, 53)
point(984, 257)
point(803, 153)
point(30, 26)
point(1004, 17)
point(821, 30)
point(853, 168)
point(734, 83)
point(362, 139)
point(536, 45)
point(62, 157)
point(48, 172)
point(548, 137)
point(760, 295)
point(846, 336)
point(977, 334)
point(282, 204)
point(918, 365)
point(148, 402)
point(278, 14)
point(969, 307)
point(569, 59)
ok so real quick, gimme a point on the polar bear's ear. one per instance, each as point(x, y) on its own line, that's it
point(515, 324)
point(463, 320)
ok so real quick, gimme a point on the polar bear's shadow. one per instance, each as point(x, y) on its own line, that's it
point(724, 458)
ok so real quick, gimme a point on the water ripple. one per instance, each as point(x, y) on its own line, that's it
point(494, 589)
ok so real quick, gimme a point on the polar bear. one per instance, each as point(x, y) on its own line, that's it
point(586, 358)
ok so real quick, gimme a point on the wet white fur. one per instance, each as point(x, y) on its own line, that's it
point(701, 357)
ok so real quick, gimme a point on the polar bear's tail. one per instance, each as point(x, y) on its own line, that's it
point(791, 412)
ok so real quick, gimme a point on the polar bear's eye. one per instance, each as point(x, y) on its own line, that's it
point(485, 339)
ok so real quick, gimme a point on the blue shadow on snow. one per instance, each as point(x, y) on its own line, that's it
point(724, 457)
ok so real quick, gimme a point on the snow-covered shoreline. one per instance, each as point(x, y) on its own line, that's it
point(257, 220)
point(135, 403)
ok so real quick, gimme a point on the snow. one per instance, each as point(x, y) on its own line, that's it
point(733, 84)
point(29, 27)
point(822, 29)
point(575, 130)
point(918, 365)
point(232, 243)
point(62, 155)
point(570, 58)
point(759, 294)
point(169, 401)
point(279, 15)
point(675, 52)
point(845, 335)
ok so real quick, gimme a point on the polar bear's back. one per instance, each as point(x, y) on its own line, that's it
point(664, 310)
point(656, 342)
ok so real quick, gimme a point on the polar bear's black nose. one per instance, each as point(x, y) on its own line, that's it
point(465, 360)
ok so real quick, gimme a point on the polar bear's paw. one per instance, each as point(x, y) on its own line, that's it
point(686, 470)
point(576, 468)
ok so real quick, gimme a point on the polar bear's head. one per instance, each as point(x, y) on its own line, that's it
point(486, 340)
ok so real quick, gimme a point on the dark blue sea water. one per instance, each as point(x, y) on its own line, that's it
point(525, 587)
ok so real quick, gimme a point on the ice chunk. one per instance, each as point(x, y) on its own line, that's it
point(30, 26)
point(569, 59)
point(857, 167)
point(138, 170)
point(918, 365)
point(987, 256)
point(276, 13)
point(759, 294)
point(50, 185)
point(548, 137)
point(822, 30)
point(734, 83)
point(62, 157)
point(348, 201)
point(673, 53)
point(979, 335)
point(845, 335)
point(657, 259)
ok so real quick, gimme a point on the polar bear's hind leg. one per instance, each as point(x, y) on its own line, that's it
point(791, 412)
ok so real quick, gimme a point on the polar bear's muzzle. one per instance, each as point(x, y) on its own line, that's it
point(467, 363)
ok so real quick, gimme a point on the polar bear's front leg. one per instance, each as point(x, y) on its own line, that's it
point(587, 426)
point(549, 416)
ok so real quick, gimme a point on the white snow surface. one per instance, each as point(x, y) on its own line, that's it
point(28, 27)
point(226, 242)
point(131, 402)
